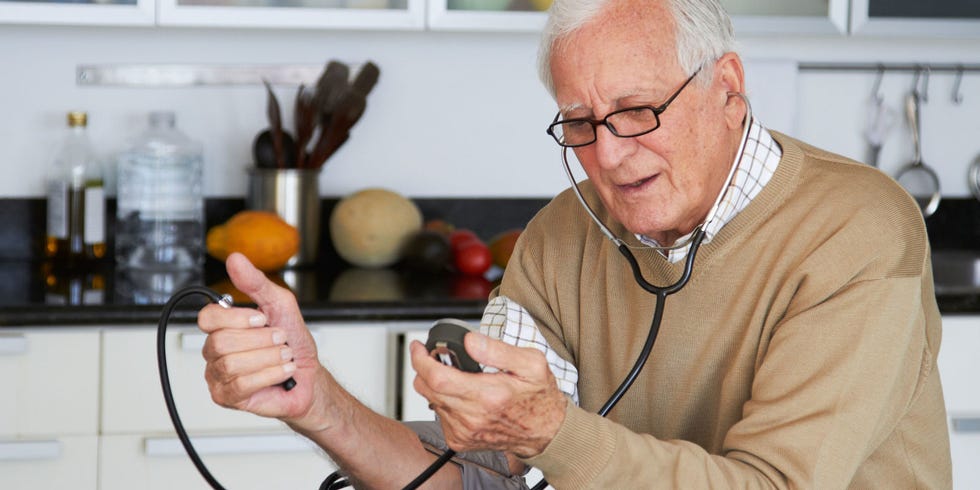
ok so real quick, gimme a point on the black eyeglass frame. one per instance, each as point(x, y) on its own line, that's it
point(657, 111)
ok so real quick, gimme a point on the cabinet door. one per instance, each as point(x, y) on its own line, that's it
point(314, 14)
point(50, 379)
point(959, 367)
point(90, 12)
point(357, 355)
point(788, 17)
point(63, 462)
point(938, 18)
point(241, 462)
point(132, 398)
point(749, 16)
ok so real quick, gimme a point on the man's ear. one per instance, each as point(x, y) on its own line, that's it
point(730, 78)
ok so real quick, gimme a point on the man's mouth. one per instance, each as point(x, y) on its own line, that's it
point(638, 183)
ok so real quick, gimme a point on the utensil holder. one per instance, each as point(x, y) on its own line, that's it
point(294, 194)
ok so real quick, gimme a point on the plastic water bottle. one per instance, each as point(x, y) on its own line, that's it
point(160, 214)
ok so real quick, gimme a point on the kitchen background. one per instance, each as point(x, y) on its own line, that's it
point(457, 111)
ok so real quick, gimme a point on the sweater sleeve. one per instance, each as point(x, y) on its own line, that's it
point(833, 385)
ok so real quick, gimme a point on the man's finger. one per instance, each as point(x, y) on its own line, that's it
point(213, 317)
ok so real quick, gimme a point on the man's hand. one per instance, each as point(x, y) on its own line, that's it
point(518, 410)
point(250, 351)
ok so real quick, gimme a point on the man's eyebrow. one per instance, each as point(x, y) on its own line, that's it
point(618, 102)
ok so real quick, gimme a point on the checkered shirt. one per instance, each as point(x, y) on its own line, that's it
point(759, 161)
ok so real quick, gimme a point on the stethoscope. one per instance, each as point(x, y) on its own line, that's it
point(336, 480)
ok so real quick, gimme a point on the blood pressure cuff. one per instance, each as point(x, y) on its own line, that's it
point(481, 470)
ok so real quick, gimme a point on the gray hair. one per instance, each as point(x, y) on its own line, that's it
point(703, 32)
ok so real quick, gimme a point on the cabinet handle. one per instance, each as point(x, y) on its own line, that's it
point(13, 344)
point(966, 424)
point(29, 450)
point(250, 444)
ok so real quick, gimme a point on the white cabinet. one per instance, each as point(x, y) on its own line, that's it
point(49, 411)
point(947, 18)
point(346, 14)
point(959, 367)
point(312, 14)
point(132, 13)
point(749, 16)
point(239, 462)
point(138, 447)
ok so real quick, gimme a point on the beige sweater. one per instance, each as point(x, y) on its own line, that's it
point(802, 354)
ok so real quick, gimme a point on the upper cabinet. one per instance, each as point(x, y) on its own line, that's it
point(750, 16)
point(488, 15)
point(345, 14)
point(947, 18)
point(935, 18)
point(95, 12)
point(788, 16)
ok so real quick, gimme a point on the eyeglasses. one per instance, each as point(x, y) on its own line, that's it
point(624, 123)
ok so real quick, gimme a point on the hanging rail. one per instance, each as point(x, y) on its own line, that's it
point(911, 67)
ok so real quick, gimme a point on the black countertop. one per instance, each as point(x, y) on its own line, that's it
point(36, 293)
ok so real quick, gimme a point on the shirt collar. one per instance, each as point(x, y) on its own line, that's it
point(758, 163)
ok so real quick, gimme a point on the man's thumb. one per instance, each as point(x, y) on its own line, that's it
point(251, 281)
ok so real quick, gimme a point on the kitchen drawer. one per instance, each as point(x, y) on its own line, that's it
point(63, 462)
point(959, 363)
point(239, 462)
point(50, 380)
point(133, 400)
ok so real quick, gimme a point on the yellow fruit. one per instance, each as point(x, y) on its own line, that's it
point(541, 5)
point(261, 236)
point(369, 227)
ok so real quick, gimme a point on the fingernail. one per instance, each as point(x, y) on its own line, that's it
point(278, 337)
point(286, 353)
point(289, 367)
point(257, 320)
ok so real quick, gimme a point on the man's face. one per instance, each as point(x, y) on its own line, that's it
point(663, 183)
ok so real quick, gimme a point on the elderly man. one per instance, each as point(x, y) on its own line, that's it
point(800, 355)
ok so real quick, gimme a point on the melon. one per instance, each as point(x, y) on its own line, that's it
point(370, 227)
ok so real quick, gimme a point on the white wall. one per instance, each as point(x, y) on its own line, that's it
point(455, 114)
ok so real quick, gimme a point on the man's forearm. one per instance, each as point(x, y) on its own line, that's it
point(374, 450)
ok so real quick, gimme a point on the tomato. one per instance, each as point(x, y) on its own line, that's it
point(473, 258)
point(471, 287)
point(460, 237)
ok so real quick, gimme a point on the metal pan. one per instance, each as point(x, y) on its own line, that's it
point(917, 178)
point(973, 179)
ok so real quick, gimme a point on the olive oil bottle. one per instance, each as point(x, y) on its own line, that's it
point(76, 198)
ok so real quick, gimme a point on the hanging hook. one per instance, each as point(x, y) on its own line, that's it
point(925, 84)
point(915, 82)
point(876, 94)
point(957, 93)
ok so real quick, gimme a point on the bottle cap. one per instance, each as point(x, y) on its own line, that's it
point(77, 118)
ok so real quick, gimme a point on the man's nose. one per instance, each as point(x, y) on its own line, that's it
point(611, 149)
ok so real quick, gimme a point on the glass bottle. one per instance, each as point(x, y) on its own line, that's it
point(76, 198)
point(160, 213)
